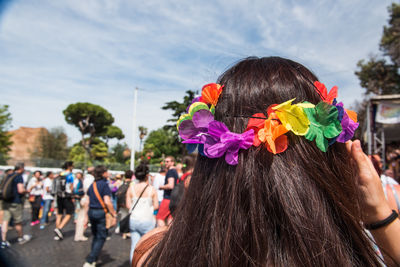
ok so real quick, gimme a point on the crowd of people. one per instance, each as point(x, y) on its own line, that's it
point(86, 198)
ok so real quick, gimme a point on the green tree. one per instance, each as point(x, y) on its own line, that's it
point(51, 146)
point(378, 75)
point(93, 121)
point(118, 153)
point(5, 137)
point(111, 132)
point(178, 109)
point(390, 42)
point(160, 143)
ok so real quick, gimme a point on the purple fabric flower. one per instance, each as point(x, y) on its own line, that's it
point(348, 129)
point(193, 131)
point(340, 109)
point(222, 141)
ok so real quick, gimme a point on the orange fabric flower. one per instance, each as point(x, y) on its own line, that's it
point(210, 93)
point(273, 135)
point(323, 92)
point(352, 114)
point(256, 125)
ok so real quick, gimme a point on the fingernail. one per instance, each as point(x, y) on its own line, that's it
point(357, 145)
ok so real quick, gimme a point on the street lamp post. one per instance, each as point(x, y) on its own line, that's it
point(134, 128)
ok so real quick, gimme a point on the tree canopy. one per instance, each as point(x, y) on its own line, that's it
point(94, 122)
point(160, 143)
point(378, 75)
point(5, 137)
point(51, 147)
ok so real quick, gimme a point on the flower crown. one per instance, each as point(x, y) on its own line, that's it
point(326, 123)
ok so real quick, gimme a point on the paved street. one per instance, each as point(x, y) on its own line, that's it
point(42, 250)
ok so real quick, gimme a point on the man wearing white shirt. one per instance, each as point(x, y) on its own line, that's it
point(47, 198)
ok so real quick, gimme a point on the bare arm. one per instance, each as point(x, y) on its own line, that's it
point(155, 199)
point(170, 185)
point(109, 205)
point(20, 188)
point(374, 203)
point(128, 198)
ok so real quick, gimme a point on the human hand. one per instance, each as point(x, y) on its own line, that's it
point(374, 203)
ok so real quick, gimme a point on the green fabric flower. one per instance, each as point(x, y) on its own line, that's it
point(324, 124)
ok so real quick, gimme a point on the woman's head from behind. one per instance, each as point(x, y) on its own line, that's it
point(141, 172)
point(298, 207)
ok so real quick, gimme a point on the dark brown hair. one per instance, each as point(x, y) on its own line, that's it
point(297, 208)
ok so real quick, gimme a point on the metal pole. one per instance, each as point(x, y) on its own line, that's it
point(132, 167)
point(369, 128)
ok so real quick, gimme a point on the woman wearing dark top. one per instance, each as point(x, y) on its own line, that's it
point(97, 215)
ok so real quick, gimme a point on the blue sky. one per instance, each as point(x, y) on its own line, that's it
point(54, 53)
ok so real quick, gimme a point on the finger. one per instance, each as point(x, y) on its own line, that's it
point(348, 146)
point(358, 155)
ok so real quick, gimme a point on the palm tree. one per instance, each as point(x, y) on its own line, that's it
point(143, 133)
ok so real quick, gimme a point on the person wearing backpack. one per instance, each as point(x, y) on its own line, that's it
point(12, 191)
point(65, 204)
point(121, 197)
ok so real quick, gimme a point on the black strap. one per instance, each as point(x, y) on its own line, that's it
point(384, 222)
point(137, 199)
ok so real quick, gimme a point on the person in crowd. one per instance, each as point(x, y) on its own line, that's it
point(182, 184)
point(254, 200)
point(179, 169)
point(99, 204)
point(159, 180)
point(114, 185)
point(164, 215)
point(121, 199)
point(6, 173)
point(77, 193)
point(47, 198)
point(13, 208)
point(89, 178)
point(65, 204)
point(35, 189)
point(141, 200)
point(82, 218)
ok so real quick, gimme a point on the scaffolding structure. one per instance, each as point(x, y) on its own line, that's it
point(379, 132)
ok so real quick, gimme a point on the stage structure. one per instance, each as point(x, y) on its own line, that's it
point(383, 123)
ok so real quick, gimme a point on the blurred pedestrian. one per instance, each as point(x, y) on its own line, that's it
point(99, 205)
point(13, 207)
point(164, 215)
point(78, 193)
point(142, 200)
point(47, 198)
point(35, 189)
point(158, 180)
point(65, 205)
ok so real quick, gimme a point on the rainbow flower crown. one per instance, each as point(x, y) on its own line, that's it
point(326, 123)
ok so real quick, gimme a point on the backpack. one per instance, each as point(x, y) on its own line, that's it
point(177, 192)
point(6, 188)
point(121, 194)
point(61, 186)
point(78, 190)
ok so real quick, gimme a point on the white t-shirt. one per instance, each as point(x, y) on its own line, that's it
point(157, 182)
point(37, 190)
point(89, 179)
point(47, 183)
point(388, 180)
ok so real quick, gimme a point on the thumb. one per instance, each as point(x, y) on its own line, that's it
point(358, 155)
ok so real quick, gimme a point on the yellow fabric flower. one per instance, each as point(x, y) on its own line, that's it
point(293, 117)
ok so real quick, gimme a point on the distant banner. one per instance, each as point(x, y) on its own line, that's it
point(388, 113)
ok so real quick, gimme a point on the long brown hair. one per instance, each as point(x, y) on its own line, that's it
point(296, 208)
